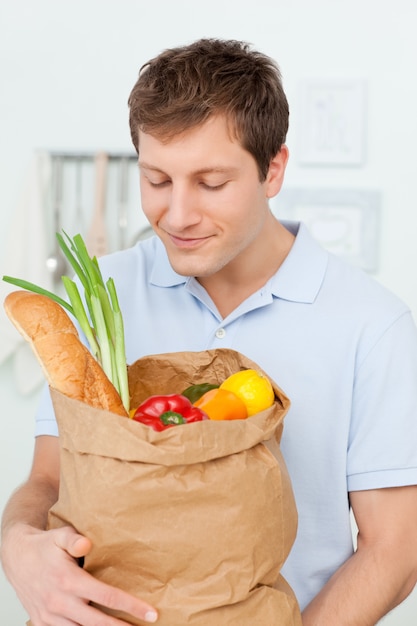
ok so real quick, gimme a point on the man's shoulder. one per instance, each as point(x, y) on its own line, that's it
point(359, 289)
point(313, 274)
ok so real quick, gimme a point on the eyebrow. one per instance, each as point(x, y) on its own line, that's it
point(216, 169)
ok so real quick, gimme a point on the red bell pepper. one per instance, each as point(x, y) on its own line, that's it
point(161, 412)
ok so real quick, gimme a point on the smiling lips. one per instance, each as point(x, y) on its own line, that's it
point(185, 243)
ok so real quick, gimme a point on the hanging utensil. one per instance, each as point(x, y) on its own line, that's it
point(56, 263)
point(123, 201)
point(96, 239)
point(79, 217)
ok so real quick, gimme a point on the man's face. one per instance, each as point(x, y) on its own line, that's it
point(202, 195)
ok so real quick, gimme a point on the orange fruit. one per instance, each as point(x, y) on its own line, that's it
point(221, 404)
point(253, 388)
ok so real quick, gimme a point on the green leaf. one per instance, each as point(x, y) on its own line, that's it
point(72, 259)
point(24, 284)
point(81, 316)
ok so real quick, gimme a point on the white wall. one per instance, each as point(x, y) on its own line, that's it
point(66, 69)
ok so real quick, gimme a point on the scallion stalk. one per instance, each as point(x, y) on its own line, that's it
point(119, 344)
point(103, 325)
point(81, 316)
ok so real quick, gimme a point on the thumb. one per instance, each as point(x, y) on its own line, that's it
point(69, 540)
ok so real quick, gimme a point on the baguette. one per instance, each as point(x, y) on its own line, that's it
point(68, 365)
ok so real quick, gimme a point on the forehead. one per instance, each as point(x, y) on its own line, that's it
point(166, 133)
point(210, 145)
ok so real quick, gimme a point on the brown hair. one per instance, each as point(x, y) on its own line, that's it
point(182, 87)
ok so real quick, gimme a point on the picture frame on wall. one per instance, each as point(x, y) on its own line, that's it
point(332, 120)
point(345, 221)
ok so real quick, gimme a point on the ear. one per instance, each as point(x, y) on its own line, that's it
point(276, 172)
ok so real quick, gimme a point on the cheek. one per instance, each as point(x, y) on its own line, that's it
point(247, 222)
point(151, 203)
point(243, 210)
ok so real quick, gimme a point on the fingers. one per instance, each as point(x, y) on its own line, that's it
point(89, 589)
point(83, 600)
point(57, 592)
point(74, 544)
point(118, 600)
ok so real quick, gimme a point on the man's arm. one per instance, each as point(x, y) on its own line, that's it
point(383, 570)
point(42, 565)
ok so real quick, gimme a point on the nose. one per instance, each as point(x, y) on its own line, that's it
point(182, 209)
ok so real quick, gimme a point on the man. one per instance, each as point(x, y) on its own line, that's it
point(209, 123)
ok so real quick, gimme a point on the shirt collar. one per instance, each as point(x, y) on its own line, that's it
point(302, 273)
point(298, 279)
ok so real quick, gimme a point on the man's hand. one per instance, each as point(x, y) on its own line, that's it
point(42, 565)
point(54, 589)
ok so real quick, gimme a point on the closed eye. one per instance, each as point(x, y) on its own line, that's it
point(213, 187)
point(163, 183)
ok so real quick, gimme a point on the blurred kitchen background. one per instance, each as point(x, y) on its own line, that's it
point(66, 160)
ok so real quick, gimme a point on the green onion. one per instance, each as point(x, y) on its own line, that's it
point(102, 323)
point(119, 344)
point(81, 316)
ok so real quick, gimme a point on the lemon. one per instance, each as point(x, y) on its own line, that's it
point(253, 388)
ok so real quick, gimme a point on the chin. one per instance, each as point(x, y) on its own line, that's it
point(184, 269)
point(191, 267)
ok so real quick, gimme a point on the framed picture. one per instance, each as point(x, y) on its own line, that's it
point(345, 222)
point(331, 123)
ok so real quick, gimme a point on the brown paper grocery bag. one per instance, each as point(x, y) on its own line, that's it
point(198, 519)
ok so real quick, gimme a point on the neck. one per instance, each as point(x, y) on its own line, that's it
point(229, 287)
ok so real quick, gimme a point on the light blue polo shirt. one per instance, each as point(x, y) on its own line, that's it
point(341, 346)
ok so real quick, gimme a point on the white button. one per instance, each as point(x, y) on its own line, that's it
point(220, 333)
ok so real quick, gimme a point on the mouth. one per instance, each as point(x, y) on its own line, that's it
point(186, 243)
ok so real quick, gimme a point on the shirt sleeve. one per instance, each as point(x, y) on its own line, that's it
point(45, 423)
point(382, 448)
